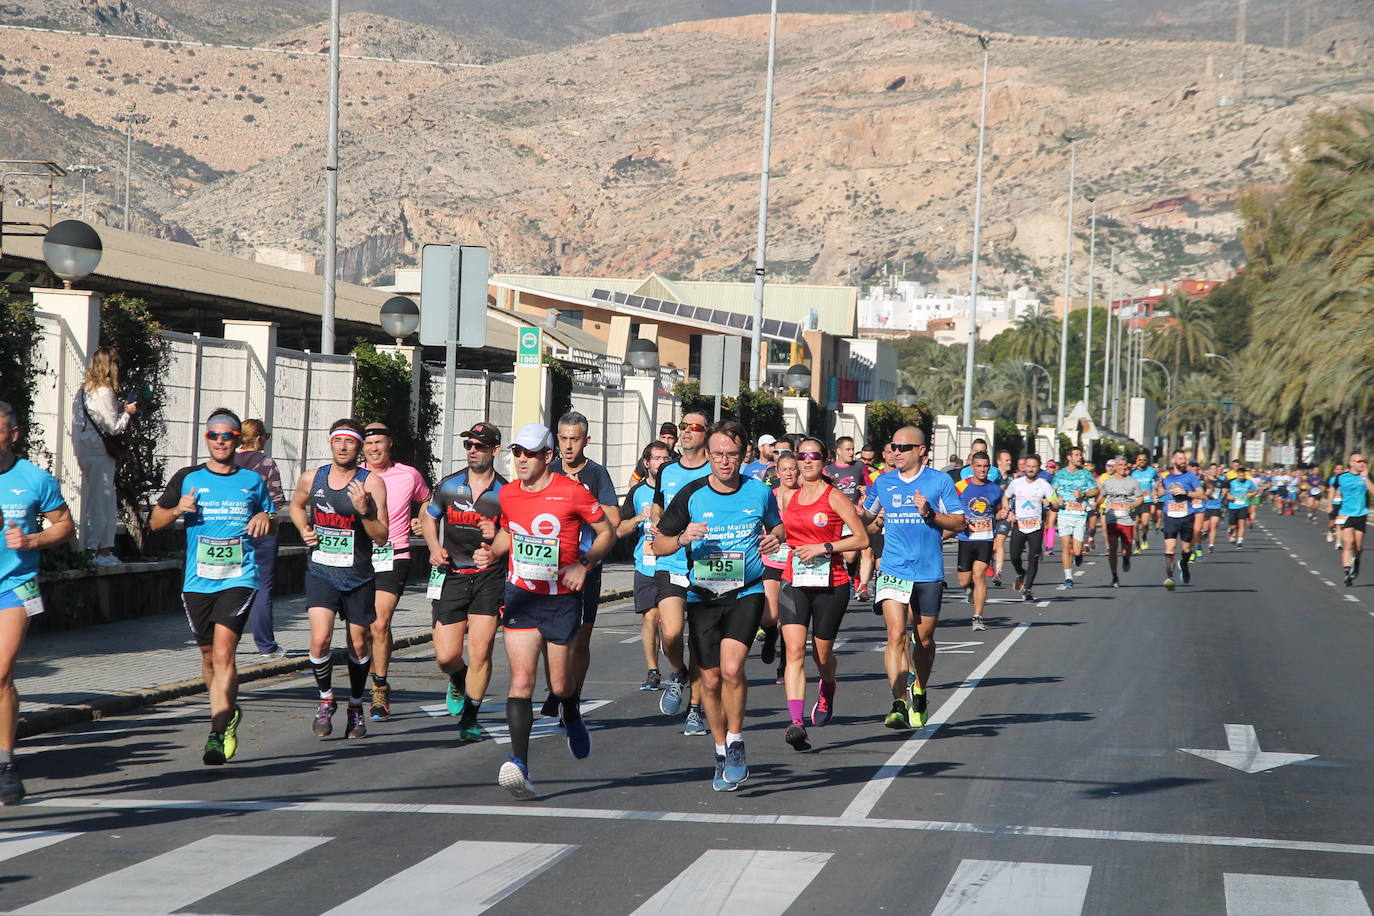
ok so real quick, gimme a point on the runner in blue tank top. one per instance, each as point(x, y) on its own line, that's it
point(1354, 486)
point(340, 511)
point(224, 508)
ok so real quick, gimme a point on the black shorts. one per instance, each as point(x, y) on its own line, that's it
point(589, 599)
point(971, 552)
point(1178, 527)
point(462, 594)
point(1335, 511)
point(356, 606)
point(393, 581)
point(556, 617)
point(667, 588)
point(772, 575)
point(228, 608)
point(709, 622)
point(821, 609)
point(1143, 509)
point(1214, 513)
point(646, 593)
point(1234, 516)
point(925, 597)
point(1355, 522)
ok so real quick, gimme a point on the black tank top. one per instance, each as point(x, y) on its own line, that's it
point(343, 557)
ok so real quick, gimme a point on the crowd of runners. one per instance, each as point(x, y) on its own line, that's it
point(737, 542)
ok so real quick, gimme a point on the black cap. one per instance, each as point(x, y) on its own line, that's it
point(484, 433)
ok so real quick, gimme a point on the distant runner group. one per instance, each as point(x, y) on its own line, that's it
point(733, 542)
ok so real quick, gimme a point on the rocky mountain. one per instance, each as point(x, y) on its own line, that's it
point(640, 152)
point(371, 35)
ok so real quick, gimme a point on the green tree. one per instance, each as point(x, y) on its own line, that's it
point(1184, 335)
point(19, 370)
point(886, 417)
point(381, 394)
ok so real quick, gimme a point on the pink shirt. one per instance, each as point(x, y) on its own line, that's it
point(404, 485)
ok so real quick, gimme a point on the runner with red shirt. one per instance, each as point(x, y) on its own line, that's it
point(815, 590)
point(541, 525)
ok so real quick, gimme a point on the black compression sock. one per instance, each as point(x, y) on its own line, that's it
point(571, 707)
point(357, 676)
point(1169, 565)
point(459, 678)
point(519, 720)
point(323, 669)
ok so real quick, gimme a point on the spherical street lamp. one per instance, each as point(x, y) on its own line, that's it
point(72, 250)
point(798, 377)
point(642, 354)
point(399, 318)
point(906, 396)
point(986, 410)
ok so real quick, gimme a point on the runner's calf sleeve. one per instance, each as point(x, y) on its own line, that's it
point(357, 675)
point(519, 719)
point(459, 678)
point(324, 673)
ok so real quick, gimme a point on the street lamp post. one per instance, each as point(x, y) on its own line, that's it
point(977, 230)
point(1068, 273)
point(1088, 345)
point(1049, 379)
point(129, 118)
point(760, 261)
point(331, 188)
point(1168, 386)
point(1107, 392)
point(85, 171)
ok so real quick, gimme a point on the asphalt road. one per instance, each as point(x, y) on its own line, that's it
point(1050, 781)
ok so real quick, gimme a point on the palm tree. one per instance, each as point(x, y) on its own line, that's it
point(1013, 385)
point(1037, 337)
point(1185, 334)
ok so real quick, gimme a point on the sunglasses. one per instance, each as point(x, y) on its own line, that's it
point(809, 456)
point(691, 427)
point(222, 437)
point(520, 451)
point(902, 446)
point(469, 444)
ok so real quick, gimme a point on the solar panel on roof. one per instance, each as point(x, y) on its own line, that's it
point(721, 318)
point(737, 320)
point(636, 301)
point(789, 329)
point(772, 327)
point(620, 297)
point(653, 305)
point(602, 294)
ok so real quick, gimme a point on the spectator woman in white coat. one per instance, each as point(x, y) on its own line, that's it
point(99, 417)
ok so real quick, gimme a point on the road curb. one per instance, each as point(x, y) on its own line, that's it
point(98, 707)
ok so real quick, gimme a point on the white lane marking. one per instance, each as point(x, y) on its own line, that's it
point(1245, 754)
point(496, 729)
point(1328, 582)
point(1015, 889)
point(1293, 555)
point(465, 879)
point(636, 638)
point(683, 817)
point(1350, 598)
point(1315, 572)
point(873, 790)
point(838, 644)
point(756, 881)
point(1044, 603)
point(176, 879)
point(1279, 895)
point(956, 648)
point(17, 842)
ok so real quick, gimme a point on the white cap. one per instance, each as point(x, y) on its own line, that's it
point(533, 437)
point(766, 439)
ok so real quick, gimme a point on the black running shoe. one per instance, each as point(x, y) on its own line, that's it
point(796, 737)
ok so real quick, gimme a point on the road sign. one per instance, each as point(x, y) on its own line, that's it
point(453, 295)
point(720, 360)
point(528, 347)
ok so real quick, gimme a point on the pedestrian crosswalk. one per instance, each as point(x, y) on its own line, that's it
point(470, 877)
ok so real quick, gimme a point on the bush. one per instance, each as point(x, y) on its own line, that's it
point(1006, 435)
point(126, 323)
point(886, 417)
point(560, 389)
point(758, 412)
point(19, 371)
point(381, 394)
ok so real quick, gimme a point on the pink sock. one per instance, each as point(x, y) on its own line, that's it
point(796, 709)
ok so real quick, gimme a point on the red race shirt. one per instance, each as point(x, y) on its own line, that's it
point(815, 523)
point(545, 528)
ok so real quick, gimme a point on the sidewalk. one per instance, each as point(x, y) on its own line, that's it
point(84, 674)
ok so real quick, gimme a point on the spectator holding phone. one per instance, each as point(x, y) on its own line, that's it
point(99, 419)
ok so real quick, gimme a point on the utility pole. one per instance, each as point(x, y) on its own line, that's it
point(1068, 302)
point(84, 171)
point(756, 354)
point(977, 229)
point(331, 187)
point(1240, 49)
point(129, 118)
point(1107, 390)
point(1088, 345)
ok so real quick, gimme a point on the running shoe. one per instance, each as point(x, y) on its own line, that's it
point(865, 594)
point(11, 786)
point(769, 653)
point(652, 681)
point(996, 581)
point(1349, 577)
point(1068, 584)
point(968, 594)
point(231, 734)
point(1185, 574)
point(674, 695)
point(736, 770)
point(515, 778)
point(696, 722)
point(1027, 597)
point(324, 717)
point(1144, 545)
point(1126, 561)
point(381, 703)
point(897, 717)
point(579, 739)
point(916, 714)
point(1115, 584)
point(1078, 559)
point(1019, 583)
point(214, 750)
point(796, 737)
point(720, 783)
point(822, 710)
point(454, 700)
point(759, 634)
point(357, 723)
point(468, 729)
point(1169, 583)
point(1329, 537)
point(978, 623)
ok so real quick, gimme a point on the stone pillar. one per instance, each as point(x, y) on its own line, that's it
point(80, 310)
point(261, 338)
point(796, 414)
point(646, 422)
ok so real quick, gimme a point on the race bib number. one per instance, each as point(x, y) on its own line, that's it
point(845, 531)
point(1075, 507)
point(1120, 508)
point(383, 558)
point(719, 572)
point(1176, 508)
point(890, 588)
point(534, 559)
point(33, 601)
point(335, 547)
point(1336, 499)
point(779, 556)
point(1340, 520)
point(219, 558)
point(979, 529)
point(815, 574)
point(435, 589)
point(647, 551)
point(1028, 523)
